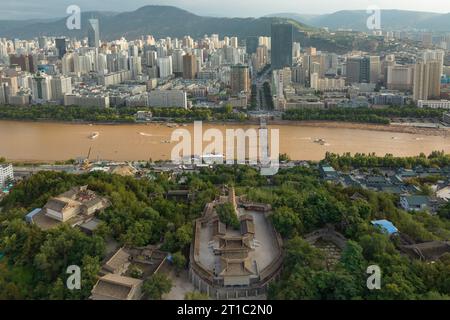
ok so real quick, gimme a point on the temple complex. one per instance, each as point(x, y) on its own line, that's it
point(229, 262)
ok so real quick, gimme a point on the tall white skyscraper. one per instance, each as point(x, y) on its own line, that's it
point(165, 67)
point(41, 88)
point(60, 86)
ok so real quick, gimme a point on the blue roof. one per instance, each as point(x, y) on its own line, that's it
point(387, 226)
point(30, 215)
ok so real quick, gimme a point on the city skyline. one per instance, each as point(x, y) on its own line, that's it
point(27, 9)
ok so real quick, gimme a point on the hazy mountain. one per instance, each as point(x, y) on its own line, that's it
point(390, 20)
point(160, 21)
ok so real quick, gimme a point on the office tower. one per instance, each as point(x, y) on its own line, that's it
point(60, 86)
point(251, 44)
point(282, 42)
point(240, 79)
point(353, 69)
point(41, 88)
point(165, 67)
point(427, 78)
point(189, 66)
point(94, 33)
point(177, 62)
point(61, 47)
point(363, 69)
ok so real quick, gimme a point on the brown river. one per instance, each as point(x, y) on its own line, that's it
point(38, 141)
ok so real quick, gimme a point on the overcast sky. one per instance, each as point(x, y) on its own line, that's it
point(26, 9)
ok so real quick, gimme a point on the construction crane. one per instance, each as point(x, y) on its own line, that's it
point(86, 162)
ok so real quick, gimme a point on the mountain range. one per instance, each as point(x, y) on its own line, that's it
point(168, 21)
point(390, 20)
point(159, 21)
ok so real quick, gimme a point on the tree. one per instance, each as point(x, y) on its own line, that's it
point(286, 221)
point(179, 262)
point(156, 286)
point(352, 258)
point(227, 215)
point(444, 211)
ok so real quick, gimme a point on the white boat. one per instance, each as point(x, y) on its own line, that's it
point(320, 141)
point(94, 135)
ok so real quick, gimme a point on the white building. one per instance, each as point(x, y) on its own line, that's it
point(165, 67)
point(6, 173)
point(60, 86)
point(41, 88)
point(434, 104)
point(168, 98)
point(86, 100)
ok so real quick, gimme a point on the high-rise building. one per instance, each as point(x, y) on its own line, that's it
point(427, 78)
point(25, 62)
point(41, 88)
point(177, 61)
point(60, 86)
point(94, 33)
point(240, 79)
point(12, 85)
point(400, 77)
point(61, 47)
point(361, 69)
point(189, 66)
point(262, 57)
point(42, 42)
point(4, 93)
point(281, 41)
point(6, 174)
point(375, 69)
point(251, 44)
point(234, 42)
point(165, 67)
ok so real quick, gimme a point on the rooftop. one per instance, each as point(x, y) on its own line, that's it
point(386, 226)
